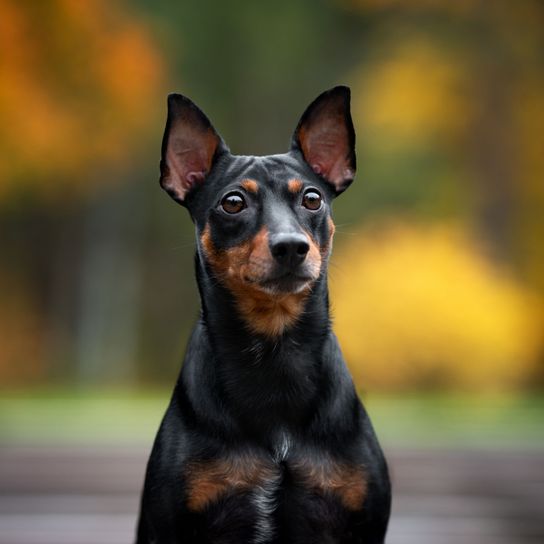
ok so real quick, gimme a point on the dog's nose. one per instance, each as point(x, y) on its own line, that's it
point(289, 249)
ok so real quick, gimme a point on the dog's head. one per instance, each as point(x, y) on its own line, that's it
point(264, 223)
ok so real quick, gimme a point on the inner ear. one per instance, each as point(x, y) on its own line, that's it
point(326, 138)
point(189, 146)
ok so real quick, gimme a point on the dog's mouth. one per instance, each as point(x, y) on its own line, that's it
point(287, 283)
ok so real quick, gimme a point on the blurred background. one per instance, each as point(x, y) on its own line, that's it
point(437, 277)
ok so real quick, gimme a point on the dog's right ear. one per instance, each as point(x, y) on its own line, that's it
point(189, 147)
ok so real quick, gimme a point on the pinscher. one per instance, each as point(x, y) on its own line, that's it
point(265, 440)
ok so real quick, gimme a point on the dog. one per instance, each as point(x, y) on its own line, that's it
point(265, 439)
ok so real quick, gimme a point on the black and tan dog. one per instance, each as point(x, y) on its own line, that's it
point(265, 439)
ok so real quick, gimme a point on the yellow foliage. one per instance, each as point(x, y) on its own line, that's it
point(413, 95)
point(421, 306)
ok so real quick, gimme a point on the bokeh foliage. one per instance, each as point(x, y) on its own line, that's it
point(76, 86)
point(430, 311)
point(438, 275)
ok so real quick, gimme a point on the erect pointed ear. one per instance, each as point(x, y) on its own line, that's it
point(326, 138)
point(189, 146)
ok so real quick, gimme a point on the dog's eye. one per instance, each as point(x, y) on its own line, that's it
point(233, 203)
point(312, 200)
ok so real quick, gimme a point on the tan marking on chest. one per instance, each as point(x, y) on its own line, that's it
point(207, 481)
point(241, 267)
point(348, 482)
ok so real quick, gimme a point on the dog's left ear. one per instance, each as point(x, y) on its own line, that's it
point(326, 138)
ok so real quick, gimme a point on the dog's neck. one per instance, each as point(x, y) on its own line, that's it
point(280, 375)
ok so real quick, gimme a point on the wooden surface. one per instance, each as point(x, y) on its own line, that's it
point(89, 495)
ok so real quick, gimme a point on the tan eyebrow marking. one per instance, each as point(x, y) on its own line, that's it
point(250, 185)
point(294, 186)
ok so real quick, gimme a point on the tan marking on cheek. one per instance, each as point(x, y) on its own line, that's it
point(250, 185)
point(332, 227)
point(260, 251)
point(208, 481)
point(294, 186)
point(317, 253)
point(206, 241)
point(348, 482)
point(327, 246)
point(226, 264)
point(314, 256)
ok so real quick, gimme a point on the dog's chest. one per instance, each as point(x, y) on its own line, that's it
point(262, 498)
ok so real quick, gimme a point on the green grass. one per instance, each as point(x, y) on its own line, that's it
point(459, 421)
point(88, 417)
point(123, 417)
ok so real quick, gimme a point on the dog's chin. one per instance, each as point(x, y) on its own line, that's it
point(287, 284)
